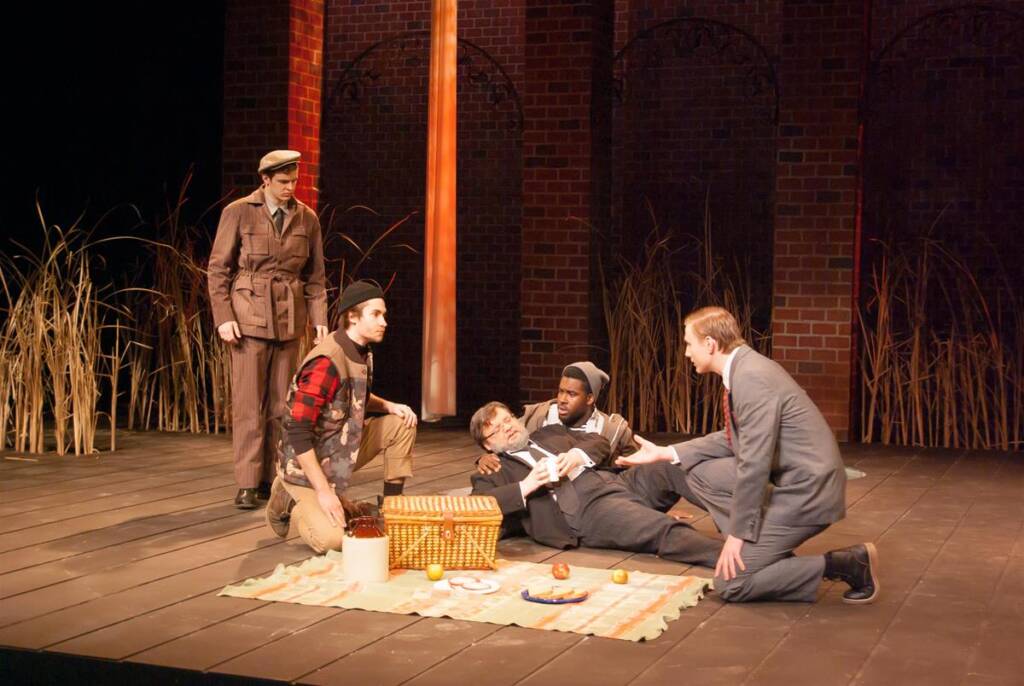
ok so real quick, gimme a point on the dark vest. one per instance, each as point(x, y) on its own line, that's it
point(339, 428)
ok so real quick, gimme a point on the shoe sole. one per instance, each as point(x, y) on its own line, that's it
point(281, 526)
point(873, 562)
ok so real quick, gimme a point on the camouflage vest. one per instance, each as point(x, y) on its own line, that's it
point(339, 428)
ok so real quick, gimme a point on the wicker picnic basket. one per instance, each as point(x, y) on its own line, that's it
point(457, 532)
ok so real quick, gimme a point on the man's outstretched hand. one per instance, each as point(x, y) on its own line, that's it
point(647, 454)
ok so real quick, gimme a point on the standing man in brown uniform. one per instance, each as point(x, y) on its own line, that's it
point(266, 273)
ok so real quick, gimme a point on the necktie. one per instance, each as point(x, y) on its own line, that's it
point(728, 417)
point(279, 220)
point(565, 493)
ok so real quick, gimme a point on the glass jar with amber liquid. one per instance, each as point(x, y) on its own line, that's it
point(365, 527)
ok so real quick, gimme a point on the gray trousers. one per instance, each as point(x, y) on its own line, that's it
point(627, 512)
point(773, 571)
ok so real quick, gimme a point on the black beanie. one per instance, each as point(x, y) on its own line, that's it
point(358, 292)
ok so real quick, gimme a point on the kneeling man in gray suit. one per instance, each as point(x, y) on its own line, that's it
point(772, 479)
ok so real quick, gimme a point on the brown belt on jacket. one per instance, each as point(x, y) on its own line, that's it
point(269, 278)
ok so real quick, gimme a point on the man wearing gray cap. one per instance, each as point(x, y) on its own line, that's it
point(327, 433)
point(266, 276)
point(575, 406)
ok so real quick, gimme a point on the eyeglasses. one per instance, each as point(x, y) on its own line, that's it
point(498, 426)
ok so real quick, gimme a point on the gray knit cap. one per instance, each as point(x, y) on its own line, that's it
point(594, 378)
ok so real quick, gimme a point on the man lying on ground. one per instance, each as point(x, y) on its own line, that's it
point(575, 406)
point(570, 504)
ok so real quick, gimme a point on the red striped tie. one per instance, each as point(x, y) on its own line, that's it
point(728, 417)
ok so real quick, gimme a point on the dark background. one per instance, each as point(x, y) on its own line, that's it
point(112, 104)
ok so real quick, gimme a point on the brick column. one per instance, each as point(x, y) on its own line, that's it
point(564, 39)
point(273, 65)
point(815, 203)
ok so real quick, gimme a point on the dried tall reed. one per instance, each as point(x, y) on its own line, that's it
point(67, 341)
point(652, 382)
point(54, 316)
point(942, 363)
point(178, 369)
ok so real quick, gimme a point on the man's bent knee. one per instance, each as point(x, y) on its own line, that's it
point(320, 536)
point(736, 590)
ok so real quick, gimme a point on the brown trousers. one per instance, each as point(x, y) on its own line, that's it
point(261, 371)
point(383, 436)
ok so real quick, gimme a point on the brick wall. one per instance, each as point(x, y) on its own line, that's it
point(305, 60)
point(530, 189)
point(563, 38)
point(272, 76)
point(374, 154)
point(696, 127)
point(944, 141)
point(814, 213)
point(255, 89)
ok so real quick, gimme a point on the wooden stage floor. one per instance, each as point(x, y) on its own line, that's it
point(110, 565)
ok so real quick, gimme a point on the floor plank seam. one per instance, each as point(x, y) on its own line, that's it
point(121, 507)
point(910, 591)
point(130, 540)
point(126, 565)
point(150, 581)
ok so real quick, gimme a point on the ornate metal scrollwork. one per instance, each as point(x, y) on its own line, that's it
point(948, 32)
point(412, 51)
point(689, 38)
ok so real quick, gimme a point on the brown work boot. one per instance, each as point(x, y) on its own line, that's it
point(279, 508)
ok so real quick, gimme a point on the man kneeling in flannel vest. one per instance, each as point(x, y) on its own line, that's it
point(326, 436)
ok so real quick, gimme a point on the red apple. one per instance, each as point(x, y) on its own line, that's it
point(560, 570)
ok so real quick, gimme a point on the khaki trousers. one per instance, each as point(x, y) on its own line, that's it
point(384, 436)
point(261, 371)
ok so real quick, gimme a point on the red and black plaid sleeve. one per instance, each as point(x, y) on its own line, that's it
point(317, 385)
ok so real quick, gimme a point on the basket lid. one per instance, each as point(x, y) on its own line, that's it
point(436, 506)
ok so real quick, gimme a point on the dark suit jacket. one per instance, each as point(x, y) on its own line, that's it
point(540, 518)
point(788, 467)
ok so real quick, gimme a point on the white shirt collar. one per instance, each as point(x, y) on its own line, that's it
point(594, 425)
point(273, 206)
point(727, 370)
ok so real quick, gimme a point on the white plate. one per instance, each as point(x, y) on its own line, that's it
point(443, 585)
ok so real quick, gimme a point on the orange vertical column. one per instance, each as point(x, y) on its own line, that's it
point(439, 255)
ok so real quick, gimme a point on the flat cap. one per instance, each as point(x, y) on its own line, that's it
point(277, 159)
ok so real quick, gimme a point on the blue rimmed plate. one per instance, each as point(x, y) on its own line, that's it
point(549, 601)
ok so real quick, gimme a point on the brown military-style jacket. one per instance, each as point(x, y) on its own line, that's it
point(267, 283)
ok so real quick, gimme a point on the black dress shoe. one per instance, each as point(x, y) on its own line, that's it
point(246, 499)
point(263, 490)
point(857, 566)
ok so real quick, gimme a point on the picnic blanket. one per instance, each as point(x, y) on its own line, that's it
point(638, 610)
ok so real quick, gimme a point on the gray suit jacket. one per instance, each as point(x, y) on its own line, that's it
point(788, 467)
